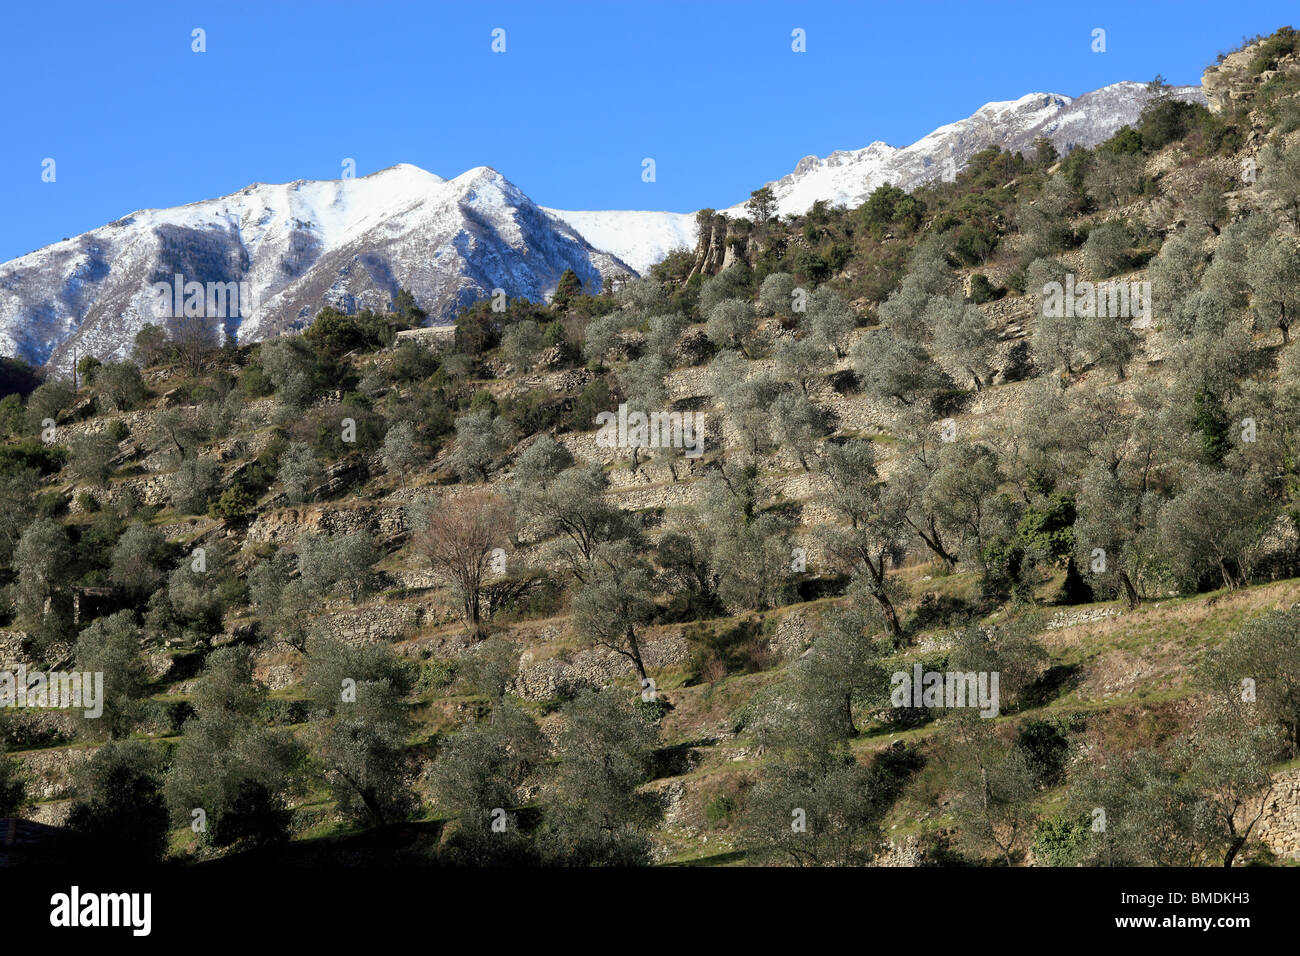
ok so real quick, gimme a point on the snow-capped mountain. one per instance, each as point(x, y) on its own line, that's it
point(352, 243)
point(848, 177)
point(349, 243)
point(640, 238)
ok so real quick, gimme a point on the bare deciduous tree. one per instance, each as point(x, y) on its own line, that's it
point(458, 541)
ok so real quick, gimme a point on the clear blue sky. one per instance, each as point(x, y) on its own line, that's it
point(711, 90)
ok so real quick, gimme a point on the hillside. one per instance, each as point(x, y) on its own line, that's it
point(437, 596)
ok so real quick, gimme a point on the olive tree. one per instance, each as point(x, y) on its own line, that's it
point(91, 457)
point(1108, 340)
point(777, 294)
point(747, 397)
point(401, 451)
point(119, 387)
point(571, 509)
point(521, 343)
point(801, 361)
point(13, 786)
point(993, 788)
point(119, 812)
point(731, 325)
point(1258, 667)
point(1195, 804)
point(963, 338)
point(960, 498)
point(1114, 530)
point(46, 401)
point(889, 366)
point(875, 536)
point(17, 489)
point(1212, 526)
point(1055, 338)
point(476, 779)
point(300, 472)
point(359, 739)
point(1273, 272)
point(1279, 180)
point(1106, 250)
point(480, 441)
point(1175, 277)
point(616, 598)
point(1114, 177)
point(111, 646)
point(798, 424)
point(229, 764)
point(195, 483)
point(595, 810)
point(138, 559)
point(42, 559)
point(338, 563)
point(829, 320)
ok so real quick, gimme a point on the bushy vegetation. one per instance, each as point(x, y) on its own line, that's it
point(905, 434)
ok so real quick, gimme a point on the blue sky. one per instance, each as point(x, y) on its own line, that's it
point(585, 90)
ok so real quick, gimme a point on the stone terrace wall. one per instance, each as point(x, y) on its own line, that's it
point(1279, 828)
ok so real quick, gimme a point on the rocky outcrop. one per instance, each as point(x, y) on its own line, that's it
point(1233, 82)
point(1227, 84)
point(711, 247)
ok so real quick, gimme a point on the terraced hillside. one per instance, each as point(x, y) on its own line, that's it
point(381, 594)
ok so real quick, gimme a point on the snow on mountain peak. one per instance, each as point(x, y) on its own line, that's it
point(348, 243)
point(848, 177)
point(351, 243)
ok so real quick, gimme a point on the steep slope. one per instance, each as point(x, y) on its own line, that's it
point(349, 243)
point(848, 177)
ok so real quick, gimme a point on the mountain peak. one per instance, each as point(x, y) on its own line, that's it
point(407, 171)
point(297, 247)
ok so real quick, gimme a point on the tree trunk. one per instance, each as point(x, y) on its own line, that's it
point(1229, 581)
point(1233, 849)
point(892, 624)
point(1130, 592)
point(635, 654)
point(935, 544)
point(877, 571)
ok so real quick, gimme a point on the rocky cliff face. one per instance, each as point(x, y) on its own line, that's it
point(1233, 82)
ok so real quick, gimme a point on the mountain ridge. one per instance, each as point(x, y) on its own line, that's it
point(849, 176)
point(351, 243)
point(300, 245)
